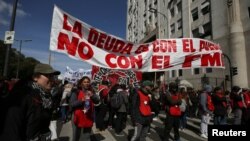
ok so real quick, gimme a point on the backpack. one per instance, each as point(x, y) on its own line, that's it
point(116, 100)
point(174, 110)
point(210, 104)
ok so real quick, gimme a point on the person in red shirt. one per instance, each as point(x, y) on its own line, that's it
point(82, 102)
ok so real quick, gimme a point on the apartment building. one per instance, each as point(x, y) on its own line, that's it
point(226, 22)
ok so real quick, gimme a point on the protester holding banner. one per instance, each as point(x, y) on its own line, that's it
point(82, 102)
point(29, 107)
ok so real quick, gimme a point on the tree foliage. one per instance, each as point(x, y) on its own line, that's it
point(26, 63)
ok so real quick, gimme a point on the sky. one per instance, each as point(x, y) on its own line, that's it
point(34, 19)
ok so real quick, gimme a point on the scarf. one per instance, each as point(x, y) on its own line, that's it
point(45, 96)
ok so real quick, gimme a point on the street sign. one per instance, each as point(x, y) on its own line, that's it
point(9, 37)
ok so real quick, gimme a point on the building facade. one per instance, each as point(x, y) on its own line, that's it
point(226, 22)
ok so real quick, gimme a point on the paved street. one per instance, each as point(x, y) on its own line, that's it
point(156, 132)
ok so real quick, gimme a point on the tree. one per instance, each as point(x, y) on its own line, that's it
point(26, 63)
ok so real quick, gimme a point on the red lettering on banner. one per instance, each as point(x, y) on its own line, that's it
point(123, 62)
point(164, 46)
point(101, 40)
point(108, 43)
point(136, 61)
point(160, 62)
point(188, 45)
point(188, 60)
point(63, 41)
point(127, 49)
point(142, 48)
point(108, 60)
point(206, 60)
point(65, 23)
point(211, 59)
point(93, 36)
point(84, 50)
point(77, 29)
point(208, 46)
point(77, 26)
point(119, 44)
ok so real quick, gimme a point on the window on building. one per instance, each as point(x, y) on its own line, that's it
point(145, 26)
point(150, 19)
point(155, 14)
point(172, 28)
point(196, 33)
point(196, 70)
point(209, 70)
point(179, 22)
point(207, 29)
point(155, 2)
point(195, 14)
point(249, 12)
point(172, 12)
point(173, 73)
point(205, 7)
point(179, 7)
point(179, 72)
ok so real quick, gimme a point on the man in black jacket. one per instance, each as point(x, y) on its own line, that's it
point(141, 112)
point(172, 100)
point(28, 108)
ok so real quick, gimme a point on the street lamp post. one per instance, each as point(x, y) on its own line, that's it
point(153, 10)
point(230, 70)
point(12, 24)
point(19, 55)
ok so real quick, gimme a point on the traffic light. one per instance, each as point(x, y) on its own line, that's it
point(234, 71)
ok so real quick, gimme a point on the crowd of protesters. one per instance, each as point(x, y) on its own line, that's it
point(31, 108)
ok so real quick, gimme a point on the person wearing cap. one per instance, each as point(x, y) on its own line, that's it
point(29, 107)
point(172, 101)
point(206, 109)
point(141, 113)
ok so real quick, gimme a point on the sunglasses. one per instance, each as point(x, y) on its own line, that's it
point(50, 76)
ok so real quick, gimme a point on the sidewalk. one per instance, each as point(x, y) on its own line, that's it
point(65, 133)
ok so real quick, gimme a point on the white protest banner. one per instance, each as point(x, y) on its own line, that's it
point(81, 41)
point(73, 76)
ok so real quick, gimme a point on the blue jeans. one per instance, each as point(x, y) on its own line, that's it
point(183, 120)
point(220, 120)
